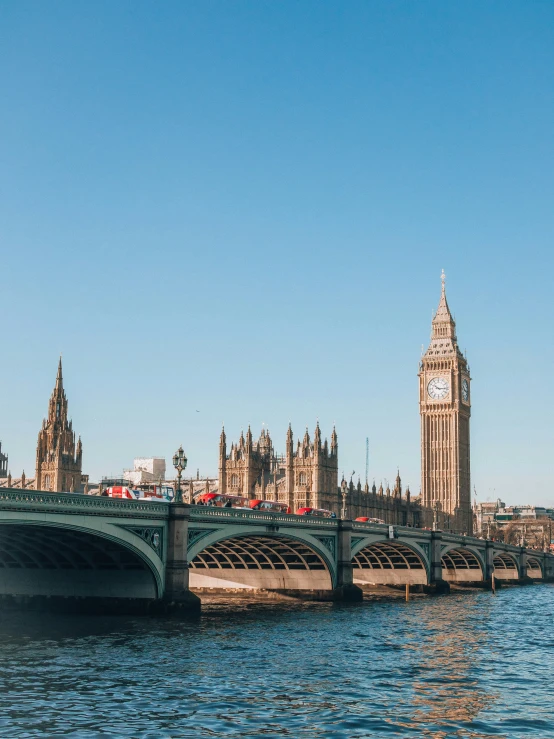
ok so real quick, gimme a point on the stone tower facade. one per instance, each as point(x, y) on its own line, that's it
point(3, 463)
point(445, 408)
point(59, 458)
point(307, 476)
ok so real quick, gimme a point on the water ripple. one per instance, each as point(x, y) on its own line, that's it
point(469, 666)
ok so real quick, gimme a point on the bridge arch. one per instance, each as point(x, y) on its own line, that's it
point(41, 558)
point(461, 564)
point(534, 567)
point(506, 566)
point(260, 560)
point(389, 562)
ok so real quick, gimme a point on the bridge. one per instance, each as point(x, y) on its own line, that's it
point(127, 556)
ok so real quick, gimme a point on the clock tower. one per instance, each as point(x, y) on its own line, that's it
point(445, 408)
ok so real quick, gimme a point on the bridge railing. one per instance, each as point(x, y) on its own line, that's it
point(202, 512)
point(12, 498)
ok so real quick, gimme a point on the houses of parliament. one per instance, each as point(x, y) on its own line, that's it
point(307, 475)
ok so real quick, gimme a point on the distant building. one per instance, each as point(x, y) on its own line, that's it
point(304, 477)
point(59, 455)
point(146, 469)
point(529, 524)
point(3, 463)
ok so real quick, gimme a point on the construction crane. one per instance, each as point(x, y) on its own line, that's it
point(366, 460)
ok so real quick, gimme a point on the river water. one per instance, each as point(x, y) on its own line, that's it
point(468, 665)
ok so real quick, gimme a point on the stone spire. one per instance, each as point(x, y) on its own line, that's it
point(334, 442)
point(443, 327)
point(59, 454)
point(59, 377)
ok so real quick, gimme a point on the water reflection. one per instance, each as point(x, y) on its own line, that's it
point(469, 665)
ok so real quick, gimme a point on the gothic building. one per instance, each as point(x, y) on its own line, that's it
point(392, 507)
point(306, 476)
point(59, 458)
point(3, 463)
point(445, 407)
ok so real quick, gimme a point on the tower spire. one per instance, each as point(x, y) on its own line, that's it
point(59, 376)
point(443, 327)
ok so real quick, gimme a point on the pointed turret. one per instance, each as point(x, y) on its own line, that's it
point(59, 377)
point(317, 434)
point(334, 442)
point(443, 327)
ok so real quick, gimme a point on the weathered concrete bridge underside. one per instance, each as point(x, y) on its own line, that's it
point(134, 555)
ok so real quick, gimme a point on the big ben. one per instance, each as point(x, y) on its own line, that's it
point(445, 408)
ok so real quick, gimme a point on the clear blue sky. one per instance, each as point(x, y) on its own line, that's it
point(243, 209)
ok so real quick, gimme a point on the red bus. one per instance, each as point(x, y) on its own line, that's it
point(366, 519)
point(239, 501)
point(269, 505)
point(321, 512)
point(222, 501)
point(119, 491)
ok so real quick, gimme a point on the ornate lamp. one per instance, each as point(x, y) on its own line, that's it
point(180, 464)
point(436, 509)
point(344, 493)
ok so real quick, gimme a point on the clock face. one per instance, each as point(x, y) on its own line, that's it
point(438, 388)
point(465, 390)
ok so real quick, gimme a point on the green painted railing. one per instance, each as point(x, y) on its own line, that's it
point(233, 514)
point(12, 498)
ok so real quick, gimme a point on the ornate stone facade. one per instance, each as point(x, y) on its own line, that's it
point(392, 507)
point(3, 463)
point(445, 408)
point(59, 458)
point(306, 477)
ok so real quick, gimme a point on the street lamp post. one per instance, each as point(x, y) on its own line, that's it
point(436, 509)
point(343, 490)
point(180, 464)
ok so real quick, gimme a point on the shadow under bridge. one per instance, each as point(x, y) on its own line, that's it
point(47, 560)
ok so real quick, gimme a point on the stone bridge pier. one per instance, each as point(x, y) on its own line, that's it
point(177, 594)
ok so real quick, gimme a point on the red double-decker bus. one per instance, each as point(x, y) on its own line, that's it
point(269, 505)
point(367, 519)
point(221, 500)
point(321, 512)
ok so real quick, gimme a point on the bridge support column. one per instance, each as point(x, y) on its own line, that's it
point(177, 594)
point(522, 564)
point(548, 567)
point(489, 564)
point(435, 565)
point(524, 579)
point(345, 589)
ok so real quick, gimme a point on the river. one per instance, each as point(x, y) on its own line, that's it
point(470, 665)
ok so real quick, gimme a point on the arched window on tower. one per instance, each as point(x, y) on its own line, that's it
point(47, 482)
point(234, 480)
point(302, 478)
